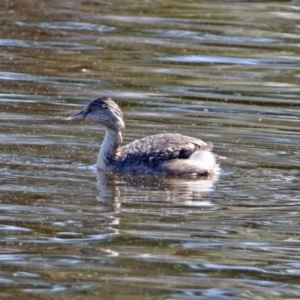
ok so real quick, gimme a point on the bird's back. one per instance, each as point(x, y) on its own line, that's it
point(163, 154)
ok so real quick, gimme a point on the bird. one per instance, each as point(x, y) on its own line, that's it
point(161, 154)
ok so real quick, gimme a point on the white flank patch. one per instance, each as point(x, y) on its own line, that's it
point(205, 159)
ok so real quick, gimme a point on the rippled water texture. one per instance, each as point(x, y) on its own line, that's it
point(223, 71)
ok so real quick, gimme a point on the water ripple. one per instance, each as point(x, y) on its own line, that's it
point(202, 36)
point(47, 45)
point(69, 26)
point(209, 59)
point(11, 76)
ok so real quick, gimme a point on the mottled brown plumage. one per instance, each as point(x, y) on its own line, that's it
point(169, 153)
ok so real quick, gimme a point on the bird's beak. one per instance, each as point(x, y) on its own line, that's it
point(78, 116)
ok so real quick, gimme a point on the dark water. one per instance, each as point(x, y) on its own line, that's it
point(223, 71)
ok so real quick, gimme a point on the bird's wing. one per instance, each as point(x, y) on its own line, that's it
point(154, 149)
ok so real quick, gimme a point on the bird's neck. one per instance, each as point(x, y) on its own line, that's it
point(112, 140)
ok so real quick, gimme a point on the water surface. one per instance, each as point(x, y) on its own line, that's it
point(226, 72)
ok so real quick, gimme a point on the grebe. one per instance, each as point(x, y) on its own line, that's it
point(166, 153)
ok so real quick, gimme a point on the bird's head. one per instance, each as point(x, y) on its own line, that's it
point(103, 111)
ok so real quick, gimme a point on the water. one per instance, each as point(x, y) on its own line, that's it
point(224, 71)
